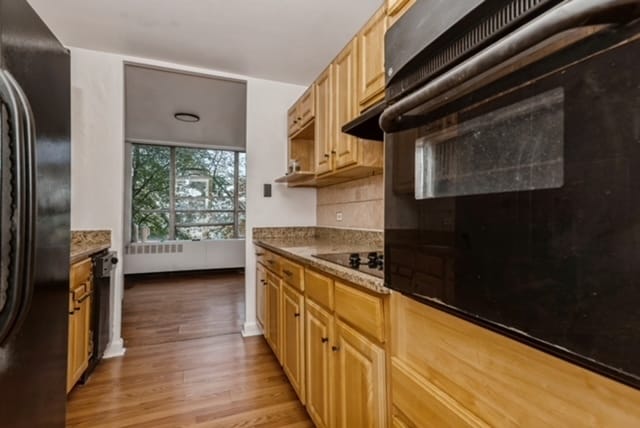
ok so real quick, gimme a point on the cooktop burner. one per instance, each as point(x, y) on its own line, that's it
point(371, 262)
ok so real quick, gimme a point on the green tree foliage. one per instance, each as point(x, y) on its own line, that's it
point(205, 205)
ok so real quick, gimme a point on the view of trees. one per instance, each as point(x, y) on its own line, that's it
point(208, 200)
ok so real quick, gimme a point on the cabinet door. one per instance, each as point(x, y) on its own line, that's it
point(306, 106)
point(324, 126)
point(397, 8)
point(261, 285)
point(273, 314)
point(71, 344)
point(293, 338)
point(360, 387)
point(318, 336)
point(345, 80)
point(371, 60)
point(292, 119)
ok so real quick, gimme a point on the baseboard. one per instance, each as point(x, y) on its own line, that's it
point(251, 329)
point(115, 349)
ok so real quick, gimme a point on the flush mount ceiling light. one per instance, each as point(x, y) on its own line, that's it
point(187, 117)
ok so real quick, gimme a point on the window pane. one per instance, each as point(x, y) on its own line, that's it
point(150, 190)
point(205, 179)
point(205, 232)
point(242, 181)
point(158, 224)
point(195, 218)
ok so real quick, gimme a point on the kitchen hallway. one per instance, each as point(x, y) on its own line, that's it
point(186, 363)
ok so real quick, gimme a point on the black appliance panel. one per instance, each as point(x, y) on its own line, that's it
point(34, 357)
point(556, 267)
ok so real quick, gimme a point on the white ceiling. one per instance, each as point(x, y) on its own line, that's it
point(284, 40)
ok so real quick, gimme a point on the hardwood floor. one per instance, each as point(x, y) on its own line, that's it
point(186, 364)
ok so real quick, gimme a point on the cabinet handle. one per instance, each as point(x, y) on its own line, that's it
point(335, 348)
point(287, 272)
point(300, 118)
point(270, 262)
point(297, 314)
point(325, 339)
point(72, 312)
point(333, 152)
point(326, 155)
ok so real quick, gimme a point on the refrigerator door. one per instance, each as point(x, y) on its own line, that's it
point(33, 357)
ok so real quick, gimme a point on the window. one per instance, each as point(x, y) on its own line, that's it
point(188, 194)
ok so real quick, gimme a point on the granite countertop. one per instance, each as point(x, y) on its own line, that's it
point(302, 250)
point(87, 243)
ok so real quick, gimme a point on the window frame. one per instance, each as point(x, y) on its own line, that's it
point(172, 211)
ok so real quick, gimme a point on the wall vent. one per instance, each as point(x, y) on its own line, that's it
point(151, 249)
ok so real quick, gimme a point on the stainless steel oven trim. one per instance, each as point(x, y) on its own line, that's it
point(564, 17)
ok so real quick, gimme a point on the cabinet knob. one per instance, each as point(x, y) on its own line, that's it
point(333, 152)
point(325, 339)
point(300, 118)
point(297, 314)
point(335, 348)
point(326, 155)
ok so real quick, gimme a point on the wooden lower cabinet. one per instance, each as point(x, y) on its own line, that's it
point(292, 350)
point(319, 334)
point(272, 326)
point(335, 361)
point(79, 342)
point(360, 380)
point(261, 288)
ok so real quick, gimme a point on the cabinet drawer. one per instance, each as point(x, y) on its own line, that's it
point(271, 262)
point(292, 274)
point(319, 288)
point(362, 310)
point(81, 273)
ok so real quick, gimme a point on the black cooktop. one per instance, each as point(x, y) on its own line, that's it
point(370, 262)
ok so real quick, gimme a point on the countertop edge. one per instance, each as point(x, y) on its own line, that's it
point(87, 252)
point(373, 284)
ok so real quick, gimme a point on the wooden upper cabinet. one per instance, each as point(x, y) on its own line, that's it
point(302, 112)
point(306, 106)
point(360, 380)
point(371, 60)
point(293, 339)
point(324, 110)
point(345, 106)
point(319, 336)
point(397, 8)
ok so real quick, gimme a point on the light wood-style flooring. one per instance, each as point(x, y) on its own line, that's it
point(186, 364)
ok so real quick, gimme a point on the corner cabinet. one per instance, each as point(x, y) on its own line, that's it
point(79, 346)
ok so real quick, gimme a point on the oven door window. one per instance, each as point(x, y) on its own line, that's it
point(515, 148)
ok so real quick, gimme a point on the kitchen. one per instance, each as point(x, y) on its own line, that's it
point(439, 224)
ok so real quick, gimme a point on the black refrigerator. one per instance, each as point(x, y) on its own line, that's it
point(34, 220)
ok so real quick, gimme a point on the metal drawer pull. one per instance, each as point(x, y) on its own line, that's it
point(297, 314)
point(325, 339)
point(566, 16)
point(287, 272)
point(335, 348)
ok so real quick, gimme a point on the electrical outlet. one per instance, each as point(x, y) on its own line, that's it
point(338, 215)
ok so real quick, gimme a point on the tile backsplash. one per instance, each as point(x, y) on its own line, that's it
point(361, 203)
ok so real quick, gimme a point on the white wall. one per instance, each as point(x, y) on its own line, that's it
point(97, 167)
point(266, 159)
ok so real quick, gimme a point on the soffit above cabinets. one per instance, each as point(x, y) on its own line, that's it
point(154, 96)
point(283, 40)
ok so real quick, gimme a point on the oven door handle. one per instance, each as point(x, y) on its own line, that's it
point(568, 15)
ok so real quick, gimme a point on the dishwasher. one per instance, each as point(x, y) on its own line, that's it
point(104, 265)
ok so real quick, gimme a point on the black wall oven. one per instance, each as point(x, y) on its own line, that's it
point(513, 175)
